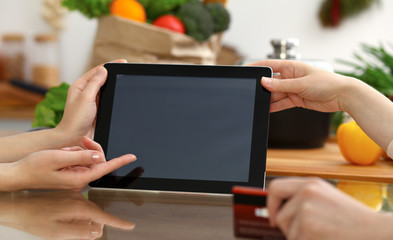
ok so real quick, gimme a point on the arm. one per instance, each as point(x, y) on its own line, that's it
point(78, 121)
point(301, 85)
point(317, 210)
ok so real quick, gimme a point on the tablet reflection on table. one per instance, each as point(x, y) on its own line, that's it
point(56, 215)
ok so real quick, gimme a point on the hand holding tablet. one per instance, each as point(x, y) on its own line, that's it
point(193, 128)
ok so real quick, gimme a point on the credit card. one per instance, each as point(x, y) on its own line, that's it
point(250, 215)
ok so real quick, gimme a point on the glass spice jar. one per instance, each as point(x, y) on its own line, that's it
point(1, 67)
point(13, 57)
point(46, 60)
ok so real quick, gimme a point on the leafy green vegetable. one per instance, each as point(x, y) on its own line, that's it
point(220, 15)
point(49, 112)
point(89, 8)
point(156, 8)
point(197, 20)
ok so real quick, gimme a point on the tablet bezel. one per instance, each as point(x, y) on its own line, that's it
point(259, 129)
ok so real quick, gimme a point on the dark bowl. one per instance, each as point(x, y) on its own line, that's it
point(298, 128)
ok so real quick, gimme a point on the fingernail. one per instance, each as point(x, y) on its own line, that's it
point(101, 71)
point(267, 81)
point(94, 234)
point(132, 157)
point(96, 157)
point(66, 149)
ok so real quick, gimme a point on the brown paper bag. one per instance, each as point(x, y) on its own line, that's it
point(144, 43)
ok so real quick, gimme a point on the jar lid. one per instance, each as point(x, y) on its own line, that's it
point(45, 37)
point(13, 37)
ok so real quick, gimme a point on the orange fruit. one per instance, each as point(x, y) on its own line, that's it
point(356, 146)
point(369, 193)
point(130, 9)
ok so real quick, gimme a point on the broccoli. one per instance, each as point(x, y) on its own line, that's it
point(197, 20)
point(220, 16)
point(89, 8)
point(156, 8)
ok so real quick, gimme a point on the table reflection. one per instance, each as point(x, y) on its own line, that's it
point(135, 214)
point(56, 215)
point(167, 215)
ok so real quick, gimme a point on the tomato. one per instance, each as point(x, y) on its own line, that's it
point(170, 22)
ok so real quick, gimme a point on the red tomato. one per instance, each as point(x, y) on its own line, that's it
point(170, 22)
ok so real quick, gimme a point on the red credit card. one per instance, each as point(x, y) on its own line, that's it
point(250, 215)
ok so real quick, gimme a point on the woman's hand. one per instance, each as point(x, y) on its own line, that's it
point(314, 209)
point(81, 106)
point(301, 85)
point(70, 168)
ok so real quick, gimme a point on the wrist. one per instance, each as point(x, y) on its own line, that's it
point(62, 138)
point(9, 177)
point(348, 93)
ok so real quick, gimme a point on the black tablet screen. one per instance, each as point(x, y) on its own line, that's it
point(183, 127)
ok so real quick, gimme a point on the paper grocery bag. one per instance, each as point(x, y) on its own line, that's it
point(144, 43)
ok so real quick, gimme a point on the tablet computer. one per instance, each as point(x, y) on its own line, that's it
point(193, 128)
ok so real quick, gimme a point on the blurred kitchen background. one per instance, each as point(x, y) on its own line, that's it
point(254, 23)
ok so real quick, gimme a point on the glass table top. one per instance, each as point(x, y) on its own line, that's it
point(129, 214)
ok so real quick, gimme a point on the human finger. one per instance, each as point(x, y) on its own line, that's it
point(74, 148)
point(291, 85)
point(91, 145)
point(102, 169)
point(89, 210)
point(84, 79)
point(288, 212)
point(292, 231)
point(75, 229)
point(81, 83)
point(105, 218)
point(94, 84)
point(65, 159)
point(278, 96)
point(281, 105)
point(279, 191)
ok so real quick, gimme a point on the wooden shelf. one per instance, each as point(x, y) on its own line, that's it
point(326, 162)
point(16, 102)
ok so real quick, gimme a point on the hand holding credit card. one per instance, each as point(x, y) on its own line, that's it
point(250, 215)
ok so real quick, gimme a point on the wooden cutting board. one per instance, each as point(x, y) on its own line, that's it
point(326, 162)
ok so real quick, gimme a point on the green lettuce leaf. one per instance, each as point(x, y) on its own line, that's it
point(49, 112)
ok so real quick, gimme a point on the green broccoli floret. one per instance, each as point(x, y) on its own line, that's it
point(220, 15)
point(89, 8)
point(156, 8)
point(197, 20)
